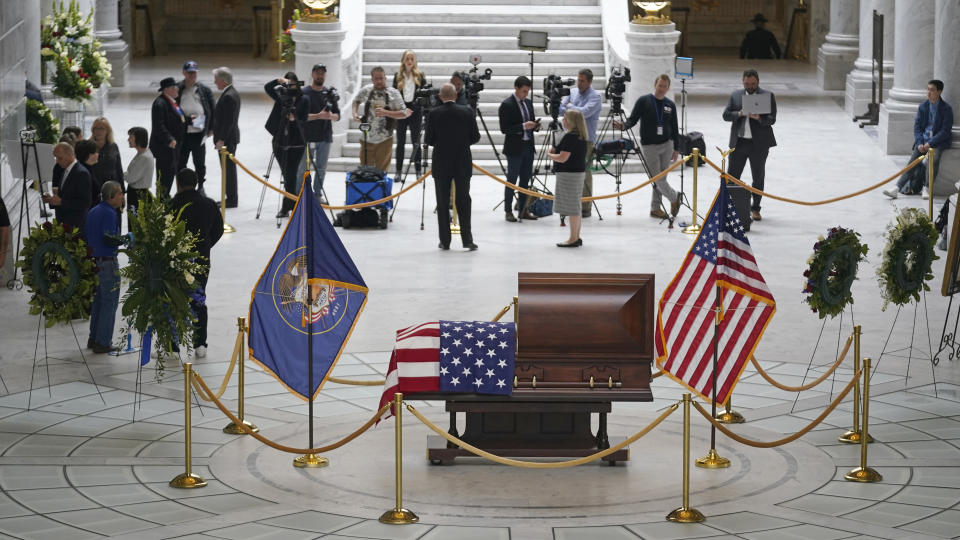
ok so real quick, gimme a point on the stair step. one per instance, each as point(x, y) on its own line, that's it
point(469, 29)
point(517, 56)
point(512, 69)
point(591, 3)
point(480, 14)
point(372, 41)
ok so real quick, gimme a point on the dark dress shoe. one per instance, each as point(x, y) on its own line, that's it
point(443, 246)
point(578, 243)
point(529, 215)
point(510, 217)
point(471, 246)
point(283, 214)
point(755, 215)
point(103, 349)
point(230, 205)
point(90, 343)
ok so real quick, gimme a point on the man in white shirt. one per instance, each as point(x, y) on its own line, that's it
point(196, 101)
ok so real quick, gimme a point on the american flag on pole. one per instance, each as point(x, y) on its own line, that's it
point(473, 357)
point(719, 263)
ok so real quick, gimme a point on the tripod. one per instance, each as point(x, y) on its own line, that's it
point(617, 115)
point(27, 141)
point(424, 148)
point(476, 109)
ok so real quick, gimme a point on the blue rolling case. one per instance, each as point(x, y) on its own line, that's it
point(366, 184)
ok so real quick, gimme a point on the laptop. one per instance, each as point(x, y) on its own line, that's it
point(756, 103)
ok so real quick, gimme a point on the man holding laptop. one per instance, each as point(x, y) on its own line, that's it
point(752, 111)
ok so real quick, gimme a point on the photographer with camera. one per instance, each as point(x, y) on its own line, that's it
point(408, 80)
point(517, 123)
point(320, 107)
point(288, 145)
point(659, 141)
point(451, 129)
point(585, 99)
point(382, 107)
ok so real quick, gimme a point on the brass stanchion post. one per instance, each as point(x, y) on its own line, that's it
point(223, 190)
point(853, 436)
point(187, 480)
point(685, 514)
point(730, 416)
point(693, 228)
point(516, 312)
point(930, 154)
point(232, 428)
point(864, 473)
point(399, 515)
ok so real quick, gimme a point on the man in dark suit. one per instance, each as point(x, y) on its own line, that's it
point(517, 123)
point(168, 126)
point(202, 217)
point(71, 181)
point(751, 135)
point(451, 129)
point(759, 42)
point(226, 132)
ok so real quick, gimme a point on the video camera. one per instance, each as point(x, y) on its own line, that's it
point(288, 93)
point(472, 82)
point(616, 86)
point(427, 96)
point(554, 88)
point(329, 97)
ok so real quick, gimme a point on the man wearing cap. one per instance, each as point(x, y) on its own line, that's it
point(759, 42)
point(196, 101)
point(320, 108)
point(167, 126)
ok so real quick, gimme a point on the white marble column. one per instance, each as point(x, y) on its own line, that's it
point(858, 86)
point(652, 49)
point(913, 60)
point(946, 67)
point(106, 24)
point(836, 56)
point(321, 43)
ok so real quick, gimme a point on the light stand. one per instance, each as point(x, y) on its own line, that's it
point(683, 70)
point(529, 40)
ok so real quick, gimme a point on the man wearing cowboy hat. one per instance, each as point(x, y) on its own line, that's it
point(759, 42)
point(167, 128)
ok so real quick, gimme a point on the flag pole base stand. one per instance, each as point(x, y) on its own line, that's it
point(233, 429)
point(310, 461)
point(691, 229)
point(188, 481)
point(686, 515)
point(399, 516)
point(227, 228)
point(853, 437)
point(713, 460)
point(730, 417)
point(863, 474)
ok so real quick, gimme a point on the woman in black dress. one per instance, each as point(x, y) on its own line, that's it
point(569, 157)
point(108, 166)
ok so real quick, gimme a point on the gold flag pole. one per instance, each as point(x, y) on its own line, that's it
point(693, 228)
point(233, 428)
point(187, 480)
point(223, 190)
point(730, 416)
point(863, 473)
point(399, 515)
point(685, 514)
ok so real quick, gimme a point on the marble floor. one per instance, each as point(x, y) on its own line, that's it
point(84, 456)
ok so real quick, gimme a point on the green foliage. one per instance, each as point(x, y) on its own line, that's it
point(68, 41)
point(832, 271)
point(163, 263)
point(40, 118)
point(58, 273)
point(907, 257)
point(288, 47)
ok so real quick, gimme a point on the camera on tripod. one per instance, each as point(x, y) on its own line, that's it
point(427, 96)
point(473, 82)
point(289, 92)
point(555, 88)
point(616, 86)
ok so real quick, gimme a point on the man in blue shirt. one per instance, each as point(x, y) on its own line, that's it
point(585, 99)
point(931, 129)
point(103, 236)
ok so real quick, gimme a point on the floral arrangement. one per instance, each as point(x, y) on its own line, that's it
point(40, 118)
point(58, 272)
point(163, 263)
point(288, 47)
point(832, 270)
point(907, 257)
point(67, 40)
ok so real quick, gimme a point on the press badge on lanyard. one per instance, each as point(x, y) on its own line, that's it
point(660, 117)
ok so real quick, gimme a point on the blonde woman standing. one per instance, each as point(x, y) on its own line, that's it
point(408, 80)
point(569, 157)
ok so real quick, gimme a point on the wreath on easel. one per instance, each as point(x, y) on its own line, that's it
point(832, 270)
point(907, 258)
point(58, 272)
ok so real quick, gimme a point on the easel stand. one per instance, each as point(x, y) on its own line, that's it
point(46, 360)
point(911, 351)
point(813, 355)
point(27, 142)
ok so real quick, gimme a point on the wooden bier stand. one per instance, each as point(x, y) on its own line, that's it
point(583, 342)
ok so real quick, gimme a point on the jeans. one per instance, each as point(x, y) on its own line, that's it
point(913, 181)
point(319, 155)
point(520, 165)
point(106, 297)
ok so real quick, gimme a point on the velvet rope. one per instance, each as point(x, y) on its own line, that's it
point(809, 385)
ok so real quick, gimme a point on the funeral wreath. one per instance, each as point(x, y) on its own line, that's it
point(58, 273)
point(907, 257)
point(832, 270)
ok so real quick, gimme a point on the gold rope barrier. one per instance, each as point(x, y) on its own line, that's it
point(325, 206)
point(536, 464)
point(230, 368)
point(757, 444)
point(583, 199)
point(756, 191)
point(355, 382)
point(809, 385)
point(198, 380)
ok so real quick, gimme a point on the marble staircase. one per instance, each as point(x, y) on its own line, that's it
point(446, 35)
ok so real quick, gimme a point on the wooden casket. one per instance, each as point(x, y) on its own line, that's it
point(583, 342)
